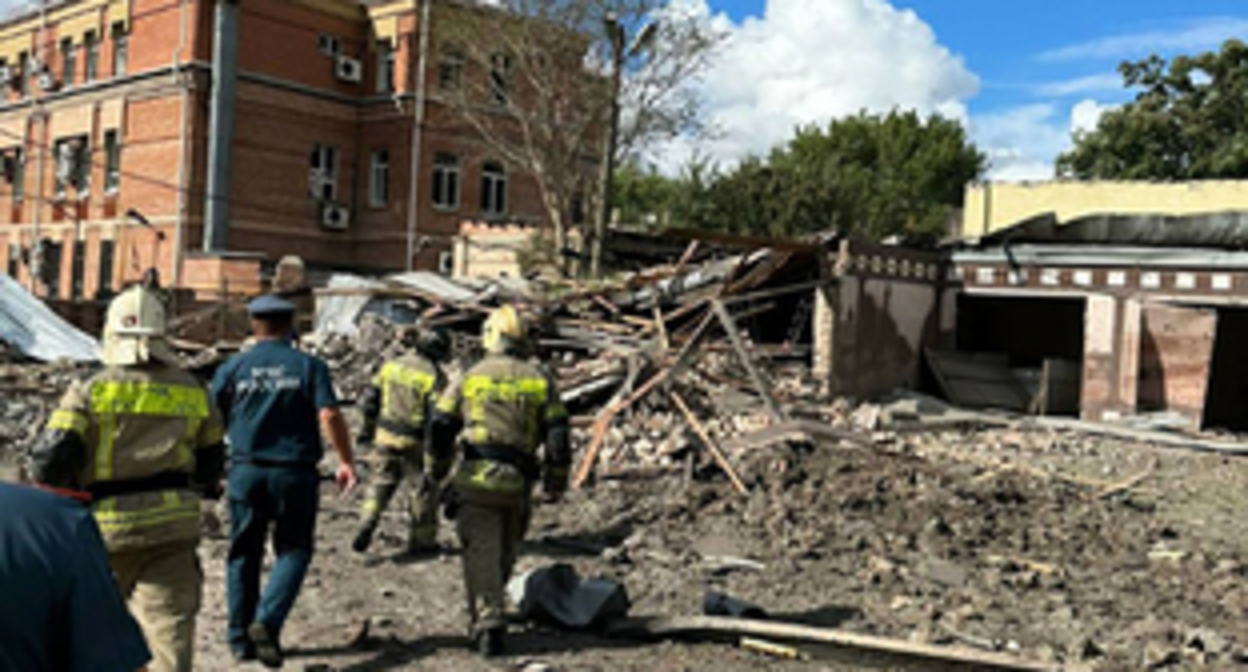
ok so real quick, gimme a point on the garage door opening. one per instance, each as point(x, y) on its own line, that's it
point(1017, 353)
point(1226, 402)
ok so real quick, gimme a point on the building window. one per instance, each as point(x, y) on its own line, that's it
point(69, 62)
point(500, 78)
point(328, 45)
point(25, 73)
point(15, 172)
point(323, 178)
point(50, 267)
point(112, 162)
point(73, 169)
point(451, 70)
point(493, 190)
point(121, 49)
point(91, 57)
point(445, 181)
point(385, 67)
point(379, 179)
point(15, 256)
point(79, 263)
point(105, 285)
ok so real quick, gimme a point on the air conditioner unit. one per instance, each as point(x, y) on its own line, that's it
point(47, 82)
point(349, 69)
point(335, 217)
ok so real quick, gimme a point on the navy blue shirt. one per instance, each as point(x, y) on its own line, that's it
point(59, 605)
point(271, 397)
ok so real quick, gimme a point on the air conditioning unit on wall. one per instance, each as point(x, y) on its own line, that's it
point(335, 218)
point(349, 69)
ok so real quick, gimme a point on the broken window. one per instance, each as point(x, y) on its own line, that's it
point(112, 162)
point(79, 263)
point(106, 269)
point(323, 175)
point(493, 190)
point(451, 70)
point(15, 172)
point(446, 181)
point(73, 167)
point(500, 78)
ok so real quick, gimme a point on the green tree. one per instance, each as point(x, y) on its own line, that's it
point(871, 175)
point(1188, 121)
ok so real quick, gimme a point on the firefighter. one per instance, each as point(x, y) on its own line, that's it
point(506, 407)
point(142, 438)
point(396, 409)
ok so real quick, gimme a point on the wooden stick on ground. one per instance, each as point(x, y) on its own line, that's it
point(716, 453)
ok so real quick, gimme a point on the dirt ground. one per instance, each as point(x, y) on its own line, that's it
point(1061, 547)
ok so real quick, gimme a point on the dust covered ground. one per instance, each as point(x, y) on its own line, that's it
point(1017, 540)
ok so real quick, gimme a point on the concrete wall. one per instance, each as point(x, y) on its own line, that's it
point(994, 206)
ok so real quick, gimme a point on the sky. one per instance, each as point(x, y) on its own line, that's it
point(1022, 75)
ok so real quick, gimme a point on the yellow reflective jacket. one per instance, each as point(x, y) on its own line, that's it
point(506, 406)
point(408, 386)
point(137, 423)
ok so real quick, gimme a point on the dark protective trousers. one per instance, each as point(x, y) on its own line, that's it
point(390, 468)
point(491, 537)
point(285, 500)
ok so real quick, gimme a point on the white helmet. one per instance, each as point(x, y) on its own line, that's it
point(134, 332)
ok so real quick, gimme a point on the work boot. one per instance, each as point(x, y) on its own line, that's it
point(267, 648)
point(364, 538)
point(490, 642)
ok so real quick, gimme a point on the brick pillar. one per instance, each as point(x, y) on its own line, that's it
point(1129, 356)
point(1099, 393)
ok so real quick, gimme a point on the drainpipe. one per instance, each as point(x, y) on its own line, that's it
point(40, 146)
point(180, 78)
point(221, 126)
point(418, 123)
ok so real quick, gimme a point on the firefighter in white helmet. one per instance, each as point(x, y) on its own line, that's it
point(506, 407)
point(144, 440)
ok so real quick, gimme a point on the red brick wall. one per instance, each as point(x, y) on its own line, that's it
point(1175, 355)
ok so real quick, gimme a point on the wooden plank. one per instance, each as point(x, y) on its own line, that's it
point(716, 453)
point(778, 291)
point(671, 626)
point(756, 376)
point(604, 422)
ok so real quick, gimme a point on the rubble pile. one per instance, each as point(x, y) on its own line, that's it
point(28, 393)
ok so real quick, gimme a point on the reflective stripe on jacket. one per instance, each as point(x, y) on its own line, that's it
point(407, 385)
point(137, 423)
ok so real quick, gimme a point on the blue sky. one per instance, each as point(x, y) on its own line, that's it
point(1022, 75)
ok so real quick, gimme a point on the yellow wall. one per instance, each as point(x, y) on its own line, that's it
point(993, 206)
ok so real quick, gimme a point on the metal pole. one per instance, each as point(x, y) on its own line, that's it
point(221, 126)
point(40, 146)
point(418, 123)
point(608, 160)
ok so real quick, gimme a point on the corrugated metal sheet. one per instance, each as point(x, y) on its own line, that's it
point(29, 325)
point(436, 285)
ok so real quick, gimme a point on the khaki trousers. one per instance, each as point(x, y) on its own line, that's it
point(390, 468)
point(491, 537)
point(162, 587)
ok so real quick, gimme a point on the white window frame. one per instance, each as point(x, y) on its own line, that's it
point(328, 45)
point(447, 182)
point(323, 173)
point(80, 182)
point(121, 50)
point(500, 79)
point(90, 57)
point(451, 70)
point(493, 188)
point(69, 62)
point(386, 54)
point(379, 178)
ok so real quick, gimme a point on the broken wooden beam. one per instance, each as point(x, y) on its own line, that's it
point(923, 654)
point(760, 383)
point(718, 455)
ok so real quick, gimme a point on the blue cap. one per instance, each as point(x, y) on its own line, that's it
point(270, 304)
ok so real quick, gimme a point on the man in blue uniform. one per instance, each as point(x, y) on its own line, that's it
point(278, 402)
point(61, 609)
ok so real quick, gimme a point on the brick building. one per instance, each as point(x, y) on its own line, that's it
point(105, 129)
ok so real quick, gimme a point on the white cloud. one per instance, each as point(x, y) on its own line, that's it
point(1196, 35)
point(1080, 85)
point(1086, 114)
point(809, 61)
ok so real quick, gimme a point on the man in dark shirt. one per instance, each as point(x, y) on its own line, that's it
point(277, 402)
point(60, 608)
